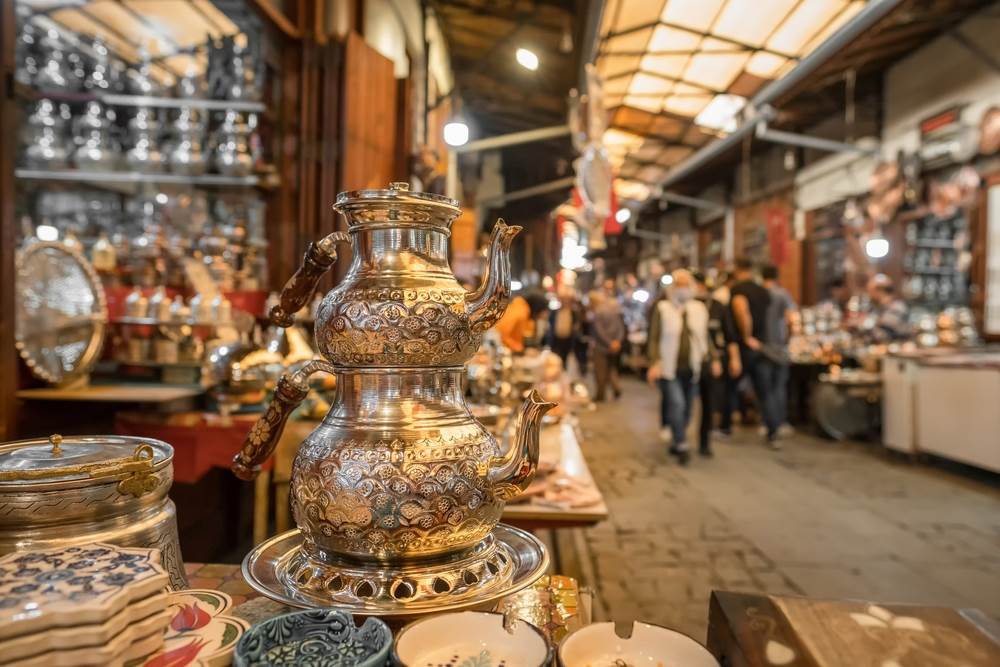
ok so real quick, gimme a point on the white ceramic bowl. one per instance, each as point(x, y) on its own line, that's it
point(597, 645)
point(470, 638)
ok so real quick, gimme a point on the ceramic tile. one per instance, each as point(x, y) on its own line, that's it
point(71, 586)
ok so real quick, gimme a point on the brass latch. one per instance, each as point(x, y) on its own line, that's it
point(140, 464)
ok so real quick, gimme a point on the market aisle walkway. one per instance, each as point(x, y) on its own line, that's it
point(819, 518)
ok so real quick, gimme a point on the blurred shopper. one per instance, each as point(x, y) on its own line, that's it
point(779, 311)
point(565, 324)
point(678, 345)
point(891, 314)
point(732, 370)
point(712, 383)
point(517, 326)
point(838, 295)
point(607, 335)
point(749, 305)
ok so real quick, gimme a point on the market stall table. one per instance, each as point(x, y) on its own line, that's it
point(751, 630)
point(202, 441)
point(559, 445)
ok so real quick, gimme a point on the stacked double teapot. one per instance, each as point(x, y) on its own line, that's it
point(399, 472)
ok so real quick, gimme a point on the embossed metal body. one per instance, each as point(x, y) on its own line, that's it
point(79, 490)
point(399, 470)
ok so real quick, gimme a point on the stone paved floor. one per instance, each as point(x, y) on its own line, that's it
point(818, 518)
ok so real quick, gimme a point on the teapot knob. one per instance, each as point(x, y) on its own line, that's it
point(402, 186)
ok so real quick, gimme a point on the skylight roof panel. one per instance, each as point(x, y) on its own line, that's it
point(216, 17)
point(617, 86)
point(672, 66)
point(695, 14)
point(652, 104)
point(803, 24)
point(175, 20)
point(674, 154)
point(124, 22)
point(715, 70)
point(671, 39)
point(751, 21)
point(834, 25)
point(647, 84)
point(637, 13)
point(612, 66)
point(628, 189)
point(649, 150)
point(665, 126)
point(688, 105)
point(82, 24)
point(652, 174)
point(764, 64)
point(629, 42)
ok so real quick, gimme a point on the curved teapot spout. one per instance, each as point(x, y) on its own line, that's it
point(488, 302)
point(511, 473)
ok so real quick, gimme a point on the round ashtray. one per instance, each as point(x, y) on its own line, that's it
point(599, 644)
point(471, 638)
point(317, 637)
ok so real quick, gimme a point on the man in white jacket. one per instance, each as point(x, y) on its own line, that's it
point(678, 343)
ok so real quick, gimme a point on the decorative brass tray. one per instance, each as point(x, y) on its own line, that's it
point(507, 561)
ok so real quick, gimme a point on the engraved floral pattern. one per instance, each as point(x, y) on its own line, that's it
point(378, 326)
point(395, 498)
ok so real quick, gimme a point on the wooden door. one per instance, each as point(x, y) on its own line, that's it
point(368, 127)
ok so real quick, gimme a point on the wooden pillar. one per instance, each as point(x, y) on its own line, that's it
point(8, 226)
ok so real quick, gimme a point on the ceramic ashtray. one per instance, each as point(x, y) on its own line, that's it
point(471, 639)
point(597, 645)
point(315, 638)
point(200, 633)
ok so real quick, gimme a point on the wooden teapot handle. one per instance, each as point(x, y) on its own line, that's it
point(299, 289)
point(263, 437)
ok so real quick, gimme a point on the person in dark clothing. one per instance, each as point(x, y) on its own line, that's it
point(564, 327)
point(720, 336)
point(749, 305)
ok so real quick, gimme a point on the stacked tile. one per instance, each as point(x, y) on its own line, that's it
point(93, 604)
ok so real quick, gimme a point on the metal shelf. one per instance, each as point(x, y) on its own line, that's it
point(934, 243)
point(933, 272)
point(177, 103)
point(114, 99)
point(131, 178)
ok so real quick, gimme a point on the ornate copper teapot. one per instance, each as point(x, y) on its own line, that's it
point(399, 468)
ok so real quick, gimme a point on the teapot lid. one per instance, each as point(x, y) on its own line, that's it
point(396, 193)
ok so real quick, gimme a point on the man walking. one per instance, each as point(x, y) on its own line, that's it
point(678, 345)
point(778, 313)
point(749, 305)
point(608, 332)
point(711, 383)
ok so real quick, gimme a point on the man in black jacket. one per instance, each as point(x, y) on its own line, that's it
point(720, 337)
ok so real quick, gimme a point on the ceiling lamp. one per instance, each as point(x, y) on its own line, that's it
point(527, 59)
point(456, 133)
point(877, 247)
